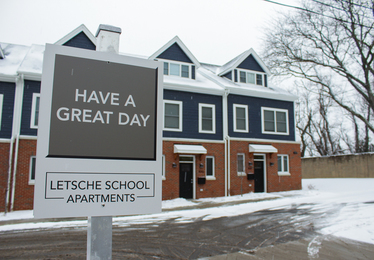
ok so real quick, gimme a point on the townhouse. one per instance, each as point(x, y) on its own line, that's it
point(227, 131)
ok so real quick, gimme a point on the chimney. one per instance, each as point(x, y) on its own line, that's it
point(108, 38)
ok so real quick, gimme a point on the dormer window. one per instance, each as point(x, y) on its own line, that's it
point(179, 69)
point(251, 78)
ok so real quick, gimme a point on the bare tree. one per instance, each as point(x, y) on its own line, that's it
point(331, 44)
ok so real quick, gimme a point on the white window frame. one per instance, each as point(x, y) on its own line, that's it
point(246, 130)
point(180, 68)
point(1, 108)
point(32, 181)
point(35, 96)
point(213, 107)
point(213, 176)
point(237, 164)
point(180, 127)
point(255, 73)
point(274, 110)
point(282, 172)
point(163, 168)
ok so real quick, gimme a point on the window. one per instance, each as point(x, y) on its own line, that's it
point(240, 118)
point(240, 163)
point(32, 170)
point(283, 166)
point(163, 167)
point(274, 121)
point(34, 122)
point(173, 115)
point(250, 77)
point(166, 68)
point(207, 118)
point(1, 107)
point(209, 164)
point(177, 69)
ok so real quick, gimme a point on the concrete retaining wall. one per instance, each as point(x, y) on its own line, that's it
point(342, 166)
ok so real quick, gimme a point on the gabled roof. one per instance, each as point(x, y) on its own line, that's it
point(177, 41)
point(234, 63)
point(75, 32)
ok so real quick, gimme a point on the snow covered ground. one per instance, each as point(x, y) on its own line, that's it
point(354, 220)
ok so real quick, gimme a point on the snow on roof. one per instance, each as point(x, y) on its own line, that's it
point(33, 61)
point(13, 57)
point(28, 60)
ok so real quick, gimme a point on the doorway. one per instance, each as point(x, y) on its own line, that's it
point(186, 179)
point(259, 172)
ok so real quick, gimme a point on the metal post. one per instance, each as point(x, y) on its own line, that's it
point(99, 238)
point(99, 229)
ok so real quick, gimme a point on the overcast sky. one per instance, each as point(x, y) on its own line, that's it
point(215, 31)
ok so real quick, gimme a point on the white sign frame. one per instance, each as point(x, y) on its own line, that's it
point(92, 174)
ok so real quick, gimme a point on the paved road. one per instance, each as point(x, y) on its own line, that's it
point(284, 233)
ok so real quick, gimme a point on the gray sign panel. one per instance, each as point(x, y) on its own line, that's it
point(99, 149)
point(102, 109)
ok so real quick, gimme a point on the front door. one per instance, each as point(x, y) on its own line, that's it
point(185, 180)
point(259, 173)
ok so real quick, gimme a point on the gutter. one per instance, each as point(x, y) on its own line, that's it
point(14, 174)
point(7, 196)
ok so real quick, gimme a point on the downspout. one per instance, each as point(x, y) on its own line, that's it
point(15, 137)
point(7, 196)
point(14, 174)
point(227, 142)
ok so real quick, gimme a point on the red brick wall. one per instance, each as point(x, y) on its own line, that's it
point(211, 188)
point(24, 193)
point(4, 165)
point(274, 182)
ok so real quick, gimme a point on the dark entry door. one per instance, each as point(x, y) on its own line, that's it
point(185, 181)
point(259, 176)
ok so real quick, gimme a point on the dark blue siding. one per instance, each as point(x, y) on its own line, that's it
point(174, 52)
point(254, 117)
point(8, 91)
point(191, 114)
point(250, 64)
point(30, 88)
point(81, 41)
point(228, 75)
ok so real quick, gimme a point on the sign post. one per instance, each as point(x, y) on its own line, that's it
point(99, 139)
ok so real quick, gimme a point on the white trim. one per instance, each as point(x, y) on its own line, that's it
point(189, 149)
point(237, 161)
point(246, 130)
point(213, 107)
point(264, 140)
point(265, 168)
point(75, 32)
point(283, 172)
point(180, 64)
point(35, 96)
point(173, 139)
point(234, 63)
point(181, 45)
point(275, 121)
point(193, 173)
point(163, 167)
point(180, 127)
point(261, 148)
point(31, 181)
point(213, 176)
point(1, 108)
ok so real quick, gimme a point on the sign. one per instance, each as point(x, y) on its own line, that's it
point(99, 138)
